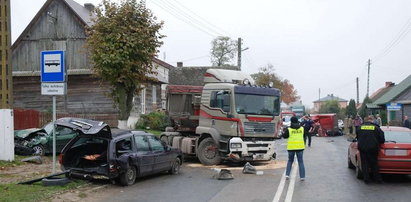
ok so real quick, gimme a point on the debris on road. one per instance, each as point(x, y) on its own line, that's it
point(33, 159)
point(225, 174)
point(249, 169)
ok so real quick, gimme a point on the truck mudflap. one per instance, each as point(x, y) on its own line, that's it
point(240, 150)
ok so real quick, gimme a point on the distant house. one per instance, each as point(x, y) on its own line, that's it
point(341, 102)
point(396, 101)
point(60, 25)
point(375, 109)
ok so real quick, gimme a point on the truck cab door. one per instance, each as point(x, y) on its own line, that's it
point(221, 113)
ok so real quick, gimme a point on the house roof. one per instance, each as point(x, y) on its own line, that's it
point(394, 92)
point(162, 63)
point(330, 97)
point(380, 92)
point(83, 14)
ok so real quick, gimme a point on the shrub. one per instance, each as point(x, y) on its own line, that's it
point(153, 120)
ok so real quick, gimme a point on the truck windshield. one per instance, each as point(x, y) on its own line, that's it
point(257, 104)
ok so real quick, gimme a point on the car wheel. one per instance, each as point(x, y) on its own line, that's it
point(175, 168)
point(39, 150)
point(129, 177)
point(208, 152)
point(350, 164)
point(358, 172)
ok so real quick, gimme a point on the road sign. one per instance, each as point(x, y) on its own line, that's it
point(52, 66)
point(53, 88)
point(394, 107)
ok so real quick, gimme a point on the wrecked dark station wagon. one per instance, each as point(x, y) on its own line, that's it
point(120, 155)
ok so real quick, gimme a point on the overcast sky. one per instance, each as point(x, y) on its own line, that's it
point(313, 43)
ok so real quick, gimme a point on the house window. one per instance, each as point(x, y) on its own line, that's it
point(154, 94)
point(143, 101)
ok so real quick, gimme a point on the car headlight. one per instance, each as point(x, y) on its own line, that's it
point(236, 145)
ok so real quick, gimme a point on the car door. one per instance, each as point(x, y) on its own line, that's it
point(145, 156)
point(63, 136)
point(162, 158)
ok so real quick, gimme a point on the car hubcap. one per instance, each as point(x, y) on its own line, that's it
point(176, 167)
point(130, 175)
point(38, 150)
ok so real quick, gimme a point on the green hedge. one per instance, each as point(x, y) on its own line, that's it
point(154, 121)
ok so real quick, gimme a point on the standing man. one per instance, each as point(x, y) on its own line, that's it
point(349, 124)
point(357, 122)
point(378, 120)
point(307, 124)
point(370, 137)
point(406, 122)
point(295, 146)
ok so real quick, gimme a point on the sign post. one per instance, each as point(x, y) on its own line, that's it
point(53, 83)
point(392, 107)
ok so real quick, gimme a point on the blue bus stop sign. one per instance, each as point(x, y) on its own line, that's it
point(52, 66)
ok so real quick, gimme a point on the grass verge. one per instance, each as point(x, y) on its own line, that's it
point(16, 162)
point(34, 192)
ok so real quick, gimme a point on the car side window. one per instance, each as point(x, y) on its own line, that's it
point(141, 143)
point(124, 146)
point(155, 143)
point(63, 131)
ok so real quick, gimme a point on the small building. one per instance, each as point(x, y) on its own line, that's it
point(60, 25)
point(342, 103)
point(396, 102)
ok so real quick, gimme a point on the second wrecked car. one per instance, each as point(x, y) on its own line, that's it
point(120, 155)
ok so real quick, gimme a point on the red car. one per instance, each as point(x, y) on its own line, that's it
point(394, 156)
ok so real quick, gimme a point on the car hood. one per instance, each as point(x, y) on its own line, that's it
point(26, 132)
point(86, 126)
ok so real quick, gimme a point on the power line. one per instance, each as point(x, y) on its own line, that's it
point(204, 20)
point(395, 41)
point(180, 17)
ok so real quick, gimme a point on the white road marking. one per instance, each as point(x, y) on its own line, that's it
point(290, 190)
point(279, 189)
point(293, 178)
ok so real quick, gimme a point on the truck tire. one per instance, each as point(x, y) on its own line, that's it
point(164, 139)
point(208, 152)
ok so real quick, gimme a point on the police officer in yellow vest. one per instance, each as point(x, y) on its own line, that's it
point(369, 138)
point(295, 146)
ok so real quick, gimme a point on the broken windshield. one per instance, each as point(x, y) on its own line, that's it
point(257, 104)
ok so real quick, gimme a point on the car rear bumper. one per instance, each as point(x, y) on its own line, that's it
point(395, 166)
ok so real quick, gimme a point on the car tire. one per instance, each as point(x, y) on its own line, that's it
point(175, 167)
point(55, 181)
point(358, 172)
point(129, 177)
point(208, 153)
point(350, 164)
point(39, 150)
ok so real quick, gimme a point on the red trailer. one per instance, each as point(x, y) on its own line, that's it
point(328, 124)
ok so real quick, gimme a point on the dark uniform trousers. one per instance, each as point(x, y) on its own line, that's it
point(369, 160)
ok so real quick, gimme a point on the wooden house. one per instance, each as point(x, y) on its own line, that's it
point(60, 25)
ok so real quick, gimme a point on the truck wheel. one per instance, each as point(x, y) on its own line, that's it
point(208, 152)
point(39, 150)
point(164, 139)
point(129, 177)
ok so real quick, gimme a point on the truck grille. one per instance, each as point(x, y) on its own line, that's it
point(259, 127)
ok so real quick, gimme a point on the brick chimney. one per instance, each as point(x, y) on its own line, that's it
point(179, 64)
point(389, 83)
point(89, 6)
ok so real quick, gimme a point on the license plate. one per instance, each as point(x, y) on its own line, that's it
point(396, 152)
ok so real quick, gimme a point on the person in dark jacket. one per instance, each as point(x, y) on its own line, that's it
point(406, 122)
point(307, 123)
point(370, 137)
point(295, 146)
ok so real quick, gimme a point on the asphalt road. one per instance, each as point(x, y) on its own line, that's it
point(327, 179)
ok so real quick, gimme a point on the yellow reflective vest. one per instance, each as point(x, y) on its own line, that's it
point(296, 139)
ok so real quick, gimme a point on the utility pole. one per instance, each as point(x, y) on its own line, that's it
point(368, 79)
point(6, 78)
point(319, 94)
point(239, 53)
point(358, 92)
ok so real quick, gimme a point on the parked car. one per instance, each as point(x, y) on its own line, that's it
point(120, 155)
point(394, 156)
point(39, 141)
